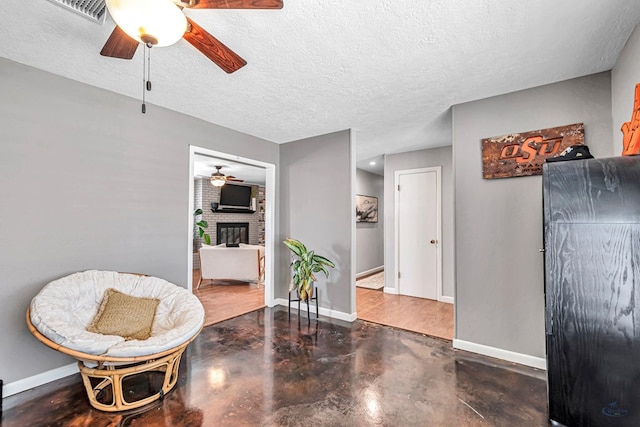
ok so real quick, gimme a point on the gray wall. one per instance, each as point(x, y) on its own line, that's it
point(88, 182)
point(624, 77)
point(316, 208)
point(370, 235)
point(421, 159)
point(499, 271)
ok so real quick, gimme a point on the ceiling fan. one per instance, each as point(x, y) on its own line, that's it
point(218, 179)
point(162, 23)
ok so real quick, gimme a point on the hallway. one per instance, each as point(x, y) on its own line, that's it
point(225, 299)
point(420, 315)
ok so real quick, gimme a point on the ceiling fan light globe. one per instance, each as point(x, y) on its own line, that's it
point(161, 20)
point(218, 181)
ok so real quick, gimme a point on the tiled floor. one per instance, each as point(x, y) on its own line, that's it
point(260, 369)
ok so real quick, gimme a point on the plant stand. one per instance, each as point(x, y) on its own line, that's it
point(314, 297)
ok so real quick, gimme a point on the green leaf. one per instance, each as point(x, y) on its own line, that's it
point(322, 260)
point(201, 232)
point(203, 224)
point(198, 212)
point(207, 239)
point(301, 245)
point(326, 272)
point(294, 245)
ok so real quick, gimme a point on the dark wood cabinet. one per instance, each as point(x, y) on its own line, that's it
point(592, 291)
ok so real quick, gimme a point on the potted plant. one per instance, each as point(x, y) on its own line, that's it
point(305, 264)
point(202, 224)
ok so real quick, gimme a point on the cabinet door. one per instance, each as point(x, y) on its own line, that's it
point(593, 324)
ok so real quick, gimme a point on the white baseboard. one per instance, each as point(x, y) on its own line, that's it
point(394, 291)
point(448, 300)
point(369, 272)
point(39, 379)
point(498, 353)
point(340, 315)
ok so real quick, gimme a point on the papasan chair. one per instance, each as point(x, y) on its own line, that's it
point(124, 329)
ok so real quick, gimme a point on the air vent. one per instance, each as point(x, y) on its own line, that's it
point(94, 10)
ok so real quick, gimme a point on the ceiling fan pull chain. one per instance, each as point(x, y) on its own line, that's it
point(149, 69)
point(144, 72)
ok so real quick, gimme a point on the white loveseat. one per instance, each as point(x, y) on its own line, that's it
point(244, 262)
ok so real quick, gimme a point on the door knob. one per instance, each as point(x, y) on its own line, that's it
point(433, 242)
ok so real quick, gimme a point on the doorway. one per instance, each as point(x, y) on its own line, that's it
point(264, 213)
point(418, 233)
point(433, 317)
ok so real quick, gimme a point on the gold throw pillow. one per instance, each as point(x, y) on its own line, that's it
point(124, 315)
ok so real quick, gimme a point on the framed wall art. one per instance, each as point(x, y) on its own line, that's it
point(366, 208)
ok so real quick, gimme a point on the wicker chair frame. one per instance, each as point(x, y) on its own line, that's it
point(112, 371)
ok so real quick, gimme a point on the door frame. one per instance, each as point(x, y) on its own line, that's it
point(396, 243)
point(269, 217)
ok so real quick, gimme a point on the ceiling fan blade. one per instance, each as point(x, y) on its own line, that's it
point(213, 48)
point(119, 45)
point(235, 179)
point(238, 4)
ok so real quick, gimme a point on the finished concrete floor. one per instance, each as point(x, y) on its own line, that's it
point(261, 369)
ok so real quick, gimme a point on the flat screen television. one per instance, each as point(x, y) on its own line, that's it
point(237, 196)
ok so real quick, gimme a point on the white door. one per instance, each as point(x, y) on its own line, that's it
point(418, 232)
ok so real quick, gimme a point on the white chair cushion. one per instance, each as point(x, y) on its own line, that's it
point(64, 308)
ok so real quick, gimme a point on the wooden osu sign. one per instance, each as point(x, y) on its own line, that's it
point(522, 154)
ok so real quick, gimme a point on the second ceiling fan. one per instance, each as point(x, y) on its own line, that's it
point(162, 23)
point(218, 179)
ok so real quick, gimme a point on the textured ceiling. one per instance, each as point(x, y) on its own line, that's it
point(389, 69)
